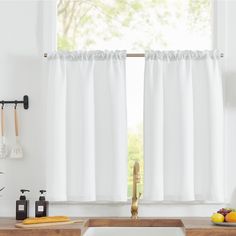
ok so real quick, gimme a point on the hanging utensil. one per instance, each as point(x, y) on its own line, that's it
point(3, 146)
point(16, 151)
point(1, 188)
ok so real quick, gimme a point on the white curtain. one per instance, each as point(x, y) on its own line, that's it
point(183, 126)
point(87, 130)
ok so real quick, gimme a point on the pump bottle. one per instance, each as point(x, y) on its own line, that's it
point(22, 206)
point(41, 206)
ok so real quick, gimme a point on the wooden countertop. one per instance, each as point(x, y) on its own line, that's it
point(193, 226)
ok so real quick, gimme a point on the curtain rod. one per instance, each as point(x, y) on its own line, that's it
point(135, 55)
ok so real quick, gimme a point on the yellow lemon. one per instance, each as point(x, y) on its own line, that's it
point(217, 218)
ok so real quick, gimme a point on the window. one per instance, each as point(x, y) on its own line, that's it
point(134, 25)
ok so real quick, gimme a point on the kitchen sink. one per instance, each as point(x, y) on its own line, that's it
point(134, 231)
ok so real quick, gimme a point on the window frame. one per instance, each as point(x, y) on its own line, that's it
point(219, 32)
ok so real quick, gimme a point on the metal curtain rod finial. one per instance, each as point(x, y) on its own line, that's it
point(132, 55)
point(25, 102)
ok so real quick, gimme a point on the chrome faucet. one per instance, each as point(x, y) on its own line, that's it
point(135, 196)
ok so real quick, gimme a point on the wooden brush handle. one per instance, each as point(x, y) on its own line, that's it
point(16, 123)
point(2, 122)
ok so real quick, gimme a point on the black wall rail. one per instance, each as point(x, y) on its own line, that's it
point(25, 102)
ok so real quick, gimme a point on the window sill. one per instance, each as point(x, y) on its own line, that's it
point(140, 203)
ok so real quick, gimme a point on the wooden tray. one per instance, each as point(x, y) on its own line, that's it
point(20, 225)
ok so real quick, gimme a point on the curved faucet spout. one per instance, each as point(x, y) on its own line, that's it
point(135, 196)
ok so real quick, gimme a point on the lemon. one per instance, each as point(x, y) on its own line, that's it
point(217, 218)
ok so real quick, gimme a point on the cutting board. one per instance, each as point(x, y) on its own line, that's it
point(20, 225)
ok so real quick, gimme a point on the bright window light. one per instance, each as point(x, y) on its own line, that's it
point(136, 26)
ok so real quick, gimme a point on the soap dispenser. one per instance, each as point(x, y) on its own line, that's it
point(22, 206)
point(41, 206)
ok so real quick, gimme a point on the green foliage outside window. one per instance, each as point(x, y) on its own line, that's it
point(135, 152)
point(141, 25)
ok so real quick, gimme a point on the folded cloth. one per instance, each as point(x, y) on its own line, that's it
point(47, 219)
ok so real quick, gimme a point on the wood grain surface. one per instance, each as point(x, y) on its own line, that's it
point(193, 226)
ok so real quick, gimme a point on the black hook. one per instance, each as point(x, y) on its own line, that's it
point(25, 102)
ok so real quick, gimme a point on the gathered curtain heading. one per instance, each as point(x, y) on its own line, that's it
point(88, 55)
point(180, 55)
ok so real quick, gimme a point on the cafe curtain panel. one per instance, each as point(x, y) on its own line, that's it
point(183, 126)
point(86, 124)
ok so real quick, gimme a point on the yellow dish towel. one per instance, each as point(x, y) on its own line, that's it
point(47, 219)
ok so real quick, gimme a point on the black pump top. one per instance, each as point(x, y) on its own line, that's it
point(42, 198)
point(22, 197)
